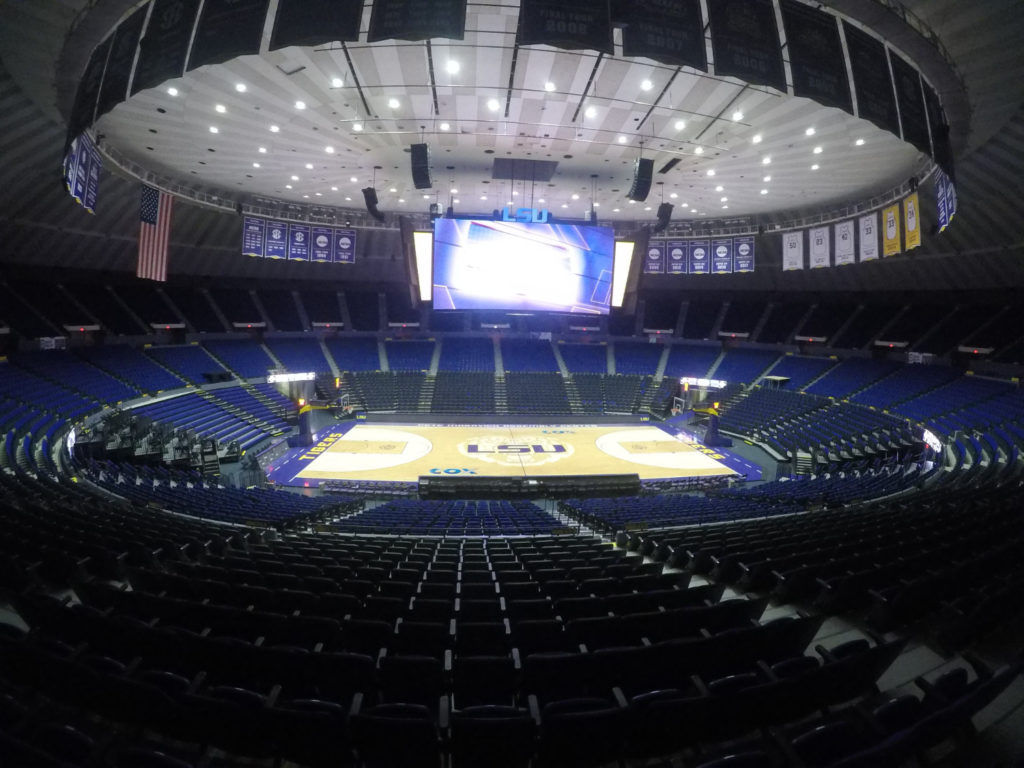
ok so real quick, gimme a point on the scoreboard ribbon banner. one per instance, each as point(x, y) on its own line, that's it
point(677, 252)
point(82, 166)
point(654, 262)
point(821, 253)
point(792, 251)
point(743, 254)
point(270, 239)
point(891, 234)
point(721, 258)
point(699, 261)
point(912, 221)
point(868, 226)
point(844, 243)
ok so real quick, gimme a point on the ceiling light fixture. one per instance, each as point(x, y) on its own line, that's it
point(590, 112)
point(549, 86)
point(810, 131)
point(680, 124)
point(737, 116)
point(275, 129)
point(719, 188)
point(766, 160)
point(214, 129)
point(756, 138)
point(817, 150)
point(353, 179)
point(394, 103)
point(357, 126)
point(300, 105)
point(255, 165)
point(698, 151)
point(764, 191)
point(493, 104)
point(767, 178)
point(623, 139)
point(453, 67)
point(646, 85)
point(711, 171)
point(859, 142)
point(329, 150)
point(444, 126)
point(337, 82)
point(172, 91)
point(295, 178)
point(220, 108)
point(309, 166)
point(815, 167)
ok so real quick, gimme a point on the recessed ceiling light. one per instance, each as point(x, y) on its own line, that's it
point(810, 131)
point(590, 112)
point(275, 128)
point(353, 179)
point(711, 171)
point(815, 167)
point(295, 178)
point(724, 207)
point(510, 202)
point(309, 166)
point(724, 200)
point(575, 196)
point(859, 142)
point(764, 191)
point(597, 205)
point(300, 105)
point(680, 124)
point(329, 150)
point(493, 105)
point(401, 199)
point(392, 190)
point(549, 86)
point(456, 201)
point(348, 199)
point(515, 192)
point(673, 196)
point(646, 85)
point(287, 186)
point(766, 160)
point(647, 207)
point(305, 197)
point(622, 139)
point(214, 129)
point(453, 191)
point(262, 150)
point(453, 67)
point(334, 189)
point(540, 200)
point(172, 91)
point(817, 150)
point(357, 126)
point(394, 103)
point(220, 108)
point(686, 205)
point(698, 151)
point(426, 197)
point(615, 210)
point(767, 178)
point(483, 197)
point(337, 82)
point(565, 205)
point(255, 165)
point(756, 138)
point(737, 116)
point(444, 126)
point(632, 202)
point(719, 188)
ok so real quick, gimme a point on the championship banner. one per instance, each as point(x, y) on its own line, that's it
point(92, 177)
point(912, 221)
point(871, 79)
point(816, 55)
point(83, 113)
point(942, 150)
point(277, 240)
point(417, 20)
point(320, 244)
point(82, 166)
point(950, 199)
point(940, 200)
point(699, 257)
point(677, 253)
point(344, 248)
point(163, 48)
point(743, 254)
point(913, 113)
point(226, 30)
point(721, 256)
point(654, 263)
point(792, 250)
point(119, 65)
point(312, 22)
point(298, 242)
point(745, 41)
point(254, 233)
point(670, 32)
point(821, 251)
point(891, 233)
point(568, 24)
point(844, 243)
point(868, 237)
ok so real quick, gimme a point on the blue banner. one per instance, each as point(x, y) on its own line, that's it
point(254, 235)
point(699, 257)
point(654, 262)
point(676, 253)
point(81, 169)
point(92, 179)
point(277, 240)
point(721, 261)
point(298, 242)
point(743, 254)
point(344, 246)
point(320, 245)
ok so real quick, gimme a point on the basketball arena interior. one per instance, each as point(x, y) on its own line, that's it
point(530, 383)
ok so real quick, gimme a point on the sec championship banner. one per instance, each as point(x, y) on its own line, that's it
point(298, 242)
point(677, 256)
point(891, 232)
point(821, 253)
point(699, 261)
point(276, 246)
point(654, 264)
point(868, 237)
point(792, 251)
point(912, 221)
point(743, 254)
point(721, 256)
point(844, 243)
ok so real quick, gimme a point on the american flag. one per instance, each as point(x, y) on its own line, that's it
point(154, 233)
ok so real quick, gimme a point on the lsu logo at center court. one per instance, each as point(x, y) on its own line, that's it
point(521, 450)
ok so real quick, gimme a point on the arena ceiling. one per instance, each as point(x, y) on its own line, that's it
point(543, 96)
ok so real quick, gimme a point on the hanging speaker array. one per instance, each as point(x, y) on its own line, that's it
point(643, 171)
point(420, 160)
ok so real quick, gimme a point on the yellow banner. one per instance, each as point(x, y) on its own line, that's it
point(891, 230)
point(912, 221)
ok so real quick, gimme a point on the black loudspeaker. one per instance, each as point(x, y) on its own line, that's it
point(370, 196)
point(664, 214)
point(420, 166)
point(642, 173)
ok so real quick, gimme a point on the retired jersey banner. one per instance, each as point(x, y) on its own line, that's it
point(676, 256)
point(891, 230)
point(721, 256)
point(277, 240)
point(821, 252)
point(792, 251)
point(654, 262)
point(699, 261)
point(912, 221)
point(743, 254)
point(298, 242)
point(868, 237)
point(844, 243)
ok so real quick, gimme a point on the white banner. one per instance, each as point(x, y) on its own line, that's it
point(792, 250)
point(844, 243)
point(821, 253)
point(869, 237)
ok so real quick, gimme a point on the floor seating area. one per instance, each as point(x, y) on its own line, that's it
point(450, 518)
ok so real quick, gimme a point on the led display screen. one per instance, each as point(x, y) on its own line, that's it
point(518, 266)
